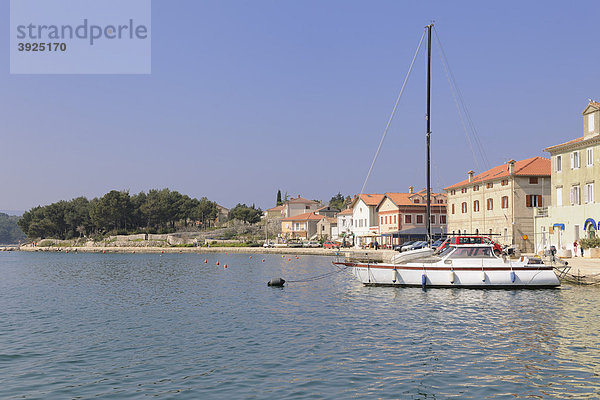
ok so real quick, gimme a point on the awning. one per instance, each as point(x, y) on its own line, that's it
point(588, 222)
point(560, 226)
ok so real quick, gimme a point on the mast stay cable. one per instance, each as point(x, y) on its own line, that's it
point(387, 127)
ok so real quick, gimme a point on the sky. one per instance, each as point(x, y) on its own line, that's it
point(249, 97)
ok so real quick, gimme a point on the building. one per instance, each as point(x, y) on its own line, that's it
point(574, 212)
point(501, 202)
point(326, 227)
point(328, 211)
point(402, 216)
point(275, 212)
point(222, 214)
point(344, 226)
point(365, 227)
point(298, 205)
point(303, 226)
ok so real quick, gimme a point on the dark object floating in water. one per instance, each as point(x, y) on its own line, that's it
point(276, 282)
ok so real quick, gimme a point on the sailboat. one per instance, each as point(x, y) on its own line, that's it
point(458, 266)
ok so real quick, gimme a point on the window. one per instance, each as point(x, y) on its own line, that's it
point(463, 190)
point(533, 180)
point(463, 207)
point(395, 218)
point(588, 193)
point(591, 122)
point(575, 195)
point(575, 160)
point(476, 206)
point(476, 188)
point(559, 196)
point(381, 220)
point(443, 219)
point(533, 200)
point(419, 219)
point(452, 208)
point(440, 201)
point(417, 201)
point(386, 219)
point(490, 204)
point(452, 192)
point(504, 182)
point(590, 157)
point(408, 219)
point(433, 219)
point(307, 207)
point(504, 201)
point(489, 185)
point(558, 163)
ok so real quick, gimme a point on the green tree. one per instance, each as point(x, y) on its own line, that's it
point(337, 201)
point(279, 202)
point(10, 233)
point(244, 213)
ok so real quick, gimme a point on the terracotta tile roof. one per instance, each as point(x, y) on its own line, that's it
point(305, 217)
point(403, 199)
point(536, 166)
point(299, 199)
point(347, 211)
point(276, 208)
point(595, 104)
point(580, 139)
point(371, 199)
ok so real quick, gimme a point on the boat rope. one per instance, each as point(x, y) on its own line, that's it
point(461, 107)
point(322, 276)
point(387, 127)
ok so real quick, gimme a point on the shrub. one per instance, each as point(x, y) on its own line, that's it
point(589, 243)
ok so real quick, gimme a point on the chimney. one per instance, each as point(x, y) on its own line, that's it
point(410, 189)
point(511, 167)
point(470, 173)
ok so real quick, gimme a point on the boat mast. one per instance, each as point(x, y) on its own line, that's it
point(428, 223)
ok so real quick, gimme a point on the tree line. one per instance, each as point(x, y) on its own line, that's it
point(10, 233)
point(157, 211)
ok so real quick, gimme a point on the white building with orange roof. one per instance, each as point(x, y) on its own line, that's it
point(574, 212)
point(402, 216)
point(365, 228)
point(501, 202)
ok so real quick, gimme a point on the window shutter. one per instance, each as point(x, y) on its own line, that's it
point(539, 200)
point(528, 200)
point(572, 160)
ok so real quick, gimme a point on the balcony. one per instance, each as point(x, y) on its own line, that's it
point(540, 212)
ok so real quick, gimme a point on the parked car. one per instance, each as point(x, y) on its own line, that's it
point(398, 247)
point(294, 243)
point(269, 244)
point(470, 240)
point(330, 244)
point(416, 245)
point(311, 243)
point(437, 243)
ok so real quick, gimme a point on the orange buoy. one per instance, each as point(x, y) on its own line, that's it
point(289, 259)
point(103, 251)
point(217, 263)
point(225, 266)
point(250, 256)
point(162, 252)
point(263, 260)
point(205, 261)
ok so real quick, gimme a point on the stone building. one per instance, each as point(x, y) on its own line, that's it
point(574, 212)
point(501, 202)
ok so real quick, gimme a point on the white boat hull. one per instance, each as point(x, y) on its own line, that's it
point(461, 276)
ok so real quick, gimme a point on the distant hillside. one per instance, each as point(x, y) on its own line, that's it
point(10, 233)
point(16, 213)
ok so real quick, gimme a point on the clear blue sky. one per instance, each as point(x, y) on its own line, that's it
point(248, 97)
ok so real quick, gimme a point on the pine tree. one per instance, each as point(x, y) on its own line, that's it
point(279, 202)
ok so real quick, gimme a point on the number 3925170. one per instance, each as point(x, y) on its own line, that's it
point(42, 47)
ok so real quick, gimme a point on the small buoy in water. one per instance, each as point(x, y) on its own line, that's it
point(217, 263)
point(205, 261)
point(225, 266)
point(162, 252)
point(282, 256)
point(67, 251)
point(103, 251)
point(250, 257)
point(483, 276)
point(289, 259)
point(276, 282)
point(513, 276)
point(263, 260)
point(452, 276)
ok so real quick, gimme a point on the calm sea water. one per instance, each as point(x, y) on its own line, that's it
point(169, 326)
